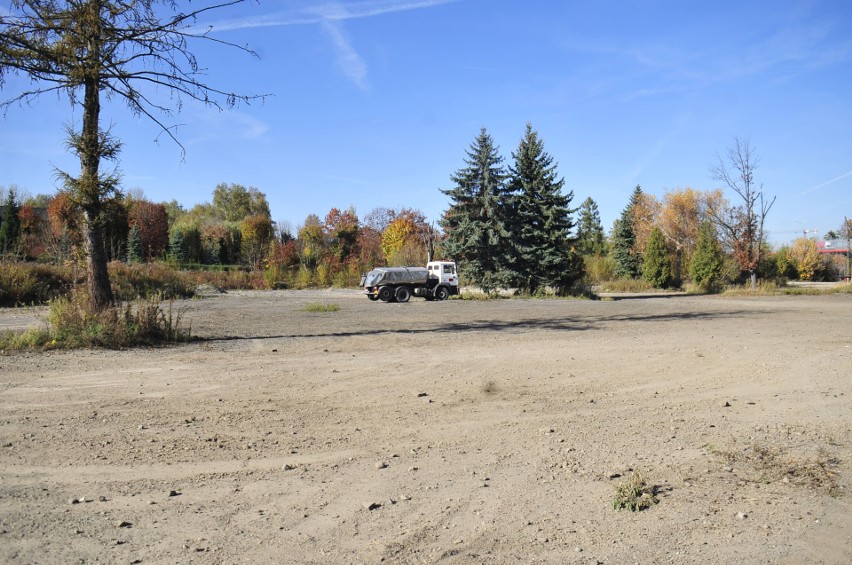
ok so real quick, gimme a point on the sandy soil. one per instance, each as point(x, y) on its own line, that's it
point(454, 432)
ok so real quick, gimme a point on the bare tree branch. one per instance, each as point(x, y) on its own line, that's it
point(742, 226)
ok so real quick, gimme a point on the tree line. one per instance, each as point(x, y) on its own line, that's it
point(234, 230)
point(706, 239)
point(507, 226)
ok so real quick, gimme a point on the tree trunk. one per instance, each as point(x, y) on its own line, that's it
point(100, 292)
point(678, 270)
point(754, 280)
point(97, 276)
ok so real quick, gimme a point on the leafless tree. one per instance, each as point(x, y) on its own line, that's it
point(429, 236)
point(741, 226)
point(91, 49)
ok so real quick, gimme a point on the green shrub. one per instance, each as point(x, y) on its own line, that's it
point(656, 266)
point(348, 277)
point(707, 263)
point(277, 276)
point(304, 278)
point(31, 283)
point(634, 494)
point(147, 280)
point(73, 323)
point(30, 339)
point(599, 268)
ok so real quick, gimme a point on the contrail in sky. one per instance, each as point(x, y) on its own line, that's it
point(330, 16)
point(826, 183)
point(326, 12)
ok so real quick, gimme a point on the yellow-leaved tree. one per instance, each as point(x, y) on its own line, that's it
point(681, 214)
point(256, 232)
point(805, 255)
point(403, 239)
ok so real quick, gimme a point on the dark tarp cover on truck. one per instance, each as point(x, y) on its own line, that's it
point(396, 275)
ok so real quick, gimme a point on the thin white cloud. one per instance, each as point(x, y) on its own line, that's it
point(234, 124)
point(350, 62)
point(800, 44)
point(826, 183)
point(329, 16)
point(329, 11)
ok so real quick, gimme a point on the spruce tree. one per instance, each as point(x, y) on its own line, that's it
point(590, 233)
point(134, 245)
point(705, 269)
point(476, 221)
point(624, 241)
point(657, 267)
point(544, 254)
point(177, 246)
point(10, 224)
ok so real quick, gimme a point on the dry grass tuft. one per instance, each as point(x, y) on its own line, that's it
point(765, 464)
point(635, 494)
point(321, 307)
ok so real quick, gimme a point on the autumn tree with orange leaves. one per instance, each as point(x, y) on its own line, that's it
point(341, 229)
point(152, 221)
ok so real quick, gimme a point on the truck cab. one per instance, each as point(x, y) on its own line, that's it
point(445, 272)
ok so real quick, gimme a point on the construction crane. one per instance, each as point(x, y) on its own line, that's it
point(804, 232)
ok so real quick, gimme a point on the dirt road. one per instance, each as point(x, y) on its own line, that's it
point(453, 432)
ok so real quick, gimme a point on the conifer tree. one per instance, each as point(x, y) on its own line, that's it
point(657, 267)
point(477, 237)
point(707, 260)
point(624, 240)
point(10, 224)
point(134, 245)
point(544, 252)
point(177, 246)
point(590, 233)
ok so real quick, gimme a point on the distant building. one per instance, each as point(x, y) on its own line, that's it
point(838, 246)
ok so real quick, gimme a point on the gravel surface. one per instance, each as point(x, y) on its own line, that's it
point(438, 432)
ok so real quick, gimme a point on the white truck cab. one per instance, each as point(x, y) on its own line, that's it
point(445, 271)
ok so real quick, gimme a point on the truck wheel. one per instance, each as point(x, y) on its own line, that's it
point(372, 297)
point(403, 293)
point(386, 294)
point(441, 293)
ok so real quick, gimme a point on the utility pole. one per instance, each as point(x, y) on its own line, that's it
point(847, 227)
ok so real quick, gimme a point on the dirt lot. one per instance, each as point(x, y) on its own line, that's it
point(454, 432)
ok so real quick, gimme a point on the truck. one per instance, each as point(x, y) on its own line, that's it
point(437, 281)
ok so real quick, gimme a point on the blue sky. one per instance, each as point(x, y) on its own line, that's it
point(374, 103)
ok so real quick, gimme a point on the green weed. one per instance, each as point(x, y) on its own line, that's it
point(634, 494)
point(321, 307)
